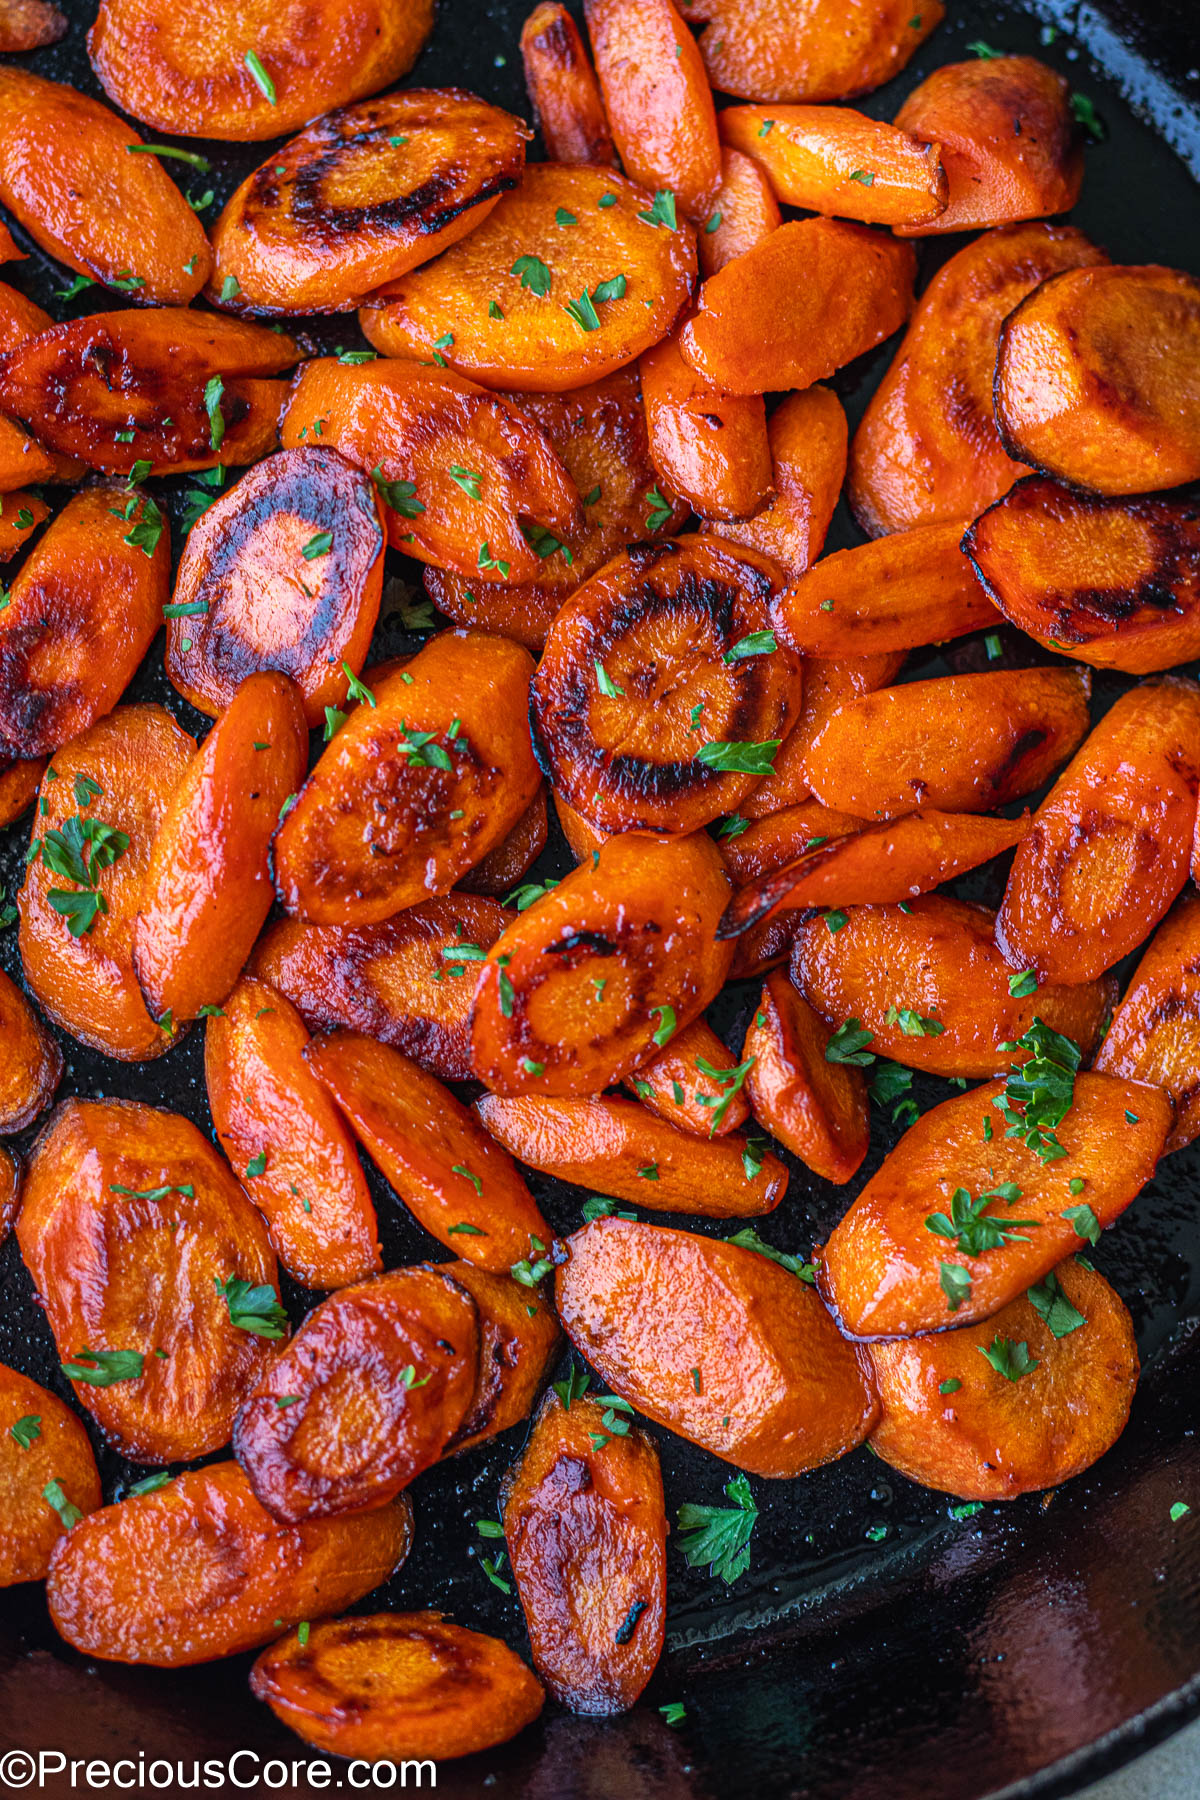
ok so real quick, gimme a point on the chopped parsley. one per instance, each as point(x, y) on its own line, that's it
point(718, 1537)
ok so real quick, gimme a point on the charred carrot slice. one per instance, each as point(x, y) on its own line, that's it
point(927, 449)
point(960, 743)
point(79, 618)
point(692, 1084)
point(603, 970)
point(503, 867)
point(428, 775)
point(155, 1271)
point(18, 786)
point(572, 298)
point(362, 196)
point(20, 516)
point(287, 1141)
point(409, 981)
point(830, 159)
point(765, 50)
point(165, 1596)
point(662, 697)
point(807, 438)
point(21, 459)
point(657, 97)
point(453, 1177)
point(30, 1060)
point(586, 1526)
point(1040, 1392)
point(48, 1474)
point(376, 1381)
point(1155, 1032)
point(622, 1147)
point(829, 684)
point(709, 446)
point(394, 1686)
point(518, 1339)
point(816, 1107)
point(563, 89)
point(931, 987)
point(812, 296)
point(797, 1394)
point(86, 878)
point(744, 212)
point(761, 846)
point(30, 24)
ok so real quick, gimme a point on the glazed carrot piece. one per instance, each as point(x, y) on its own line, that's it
point(519, 1338)
point(10, 1171)
point(10, 250)
point(430, 773)
point(829, 684)
point(287, 1141)
point(807, 438)
point(20, 318)
point(562, 88)
point(30, 1060)
point(1156, 1029)
point(283, 571)
point(30, 24)
point(1010, 146)
point(657, 1311)
point(974, 1221)
point(378, 1379)
point(623, 1148)
point(134, 1229)
point(397, 1686)
point(783, 837)
point(503, 867)
point(1115, 582)
point(360, 197)
point(1096, 379)
point(909, 588)
point(1110, 843)
point(48, 1474)
point(193, 77)
point(586, 1526)
point(20, 516)
point(661, 698)
point(149, 1580)
point(816, 1107)
point(777, 50)
point(927, 449)
point(1040, 1392)
point(657, 98)
point(72, 175)
point(188, 389)
point(596, 976)
point(582, 836)
point(691, 1083)
point(453, 1177)
point(932, 988)
point(709, 446)
point(84, 887)
point(535, 270)
point(961, 743)
point(744, 212)
point(80, 615)
point(812, 296)
point(19, 783)
point(21, 458)
point(830, 159)
point(408, 982)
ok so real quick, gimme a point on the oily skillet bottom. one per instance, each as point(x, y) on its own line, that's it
point(878, 1649)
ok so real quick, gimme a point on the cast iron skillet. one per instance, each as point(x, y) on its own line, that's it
point(879, 1648)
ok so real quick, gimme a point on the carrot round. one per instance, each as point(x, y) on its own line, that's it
point(30, 24)
point(830, 683)
point(48, 1476)
point(807, 438)
point(519, 1338)
point(816, 50)
point(1154, 1036)
point(830, 159)
point(710, 446)
point(563, 89)
point(817, 1108)
point(30, 1060)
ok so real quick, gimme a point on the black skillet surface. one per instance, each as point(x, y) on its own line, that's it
point(879, 1648)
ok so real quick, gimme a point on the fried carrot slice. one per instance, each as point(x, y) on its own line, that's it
point(586, 1526)
point(961, 743)
point(10, 1171)
point(84, 887)
point(761, 846)
point(657, 98)
point(1114, 582)
point(453, 1177)
point(143, 1248)
point(623, 1148)
point(48, 1474)
point(744, 212)
point(599, 973)
point(811, 297)
point(21, 458)
point(795, 1396)
point(816, 1107)
point(1098, 379)
point(195, 77)
point(932, 988)
point(428, 775)
point(563, 89)
point(30, 24)
point(374, 1384)
point(927, 449)
point(1110, 843)
point(575, 300)
point(408, 981)
point(20, 516)
point(503, 867)
point(582, 836)
point(661, 697)
point(287, 1141)
point(709, 446)
point(30, 1060)
point(816, 50)
point(10, 251)
point(70, 172)
point(20, 318)
point(362, 196)
point(691, 1083)
point(1155, 1032)
point(518, 1339)
point(18, 786)
point(1010, 146)
point(168, 386)
point(198, 1569)
point(829, 684)
point(395, 1686)
point(807, 438)
point(974, 1221)
point(79, 618)
point(829, 159)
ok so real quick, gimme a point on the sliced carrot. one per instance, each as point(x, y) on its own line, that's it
point(20, 515)
point(503, 867)
point(816, 1107)
point(10, 250)
point(807, 438)
point(10, 1172)
point(19, 783)
point(519, 1338)
point(582, 836)
point(829, 684)
point(1155, 1032)
point(21, 458)
point(778, 50)
point(31, 1062)
point(563, 89)
point(761, 846)
point(691, 1083)
point(30, 24)
point(829, 159)
point(47, 1471)
point(744, 212)
point(709, 446)
point(20, 318)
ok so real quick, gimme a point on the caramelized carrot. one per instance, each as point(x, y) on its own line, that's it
point(30, 24)
point(10, 1172)
point(776, 50)
point(563, 89)
point(691, 1084)
point(518, 1339)
point(829, 159)
point(657, 97)
point(19, 783)
point(503, 867)
point(829, 684)
point(744, 212)
point(709, 446)
point(21, 458)
point(20, 318)
point(20, 516)
point(1155, 1032)
point(782, 837)
point(816, 1107)
point(807, 438)
point(582, 836)
point(30, 1060)
point(48, 1475)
